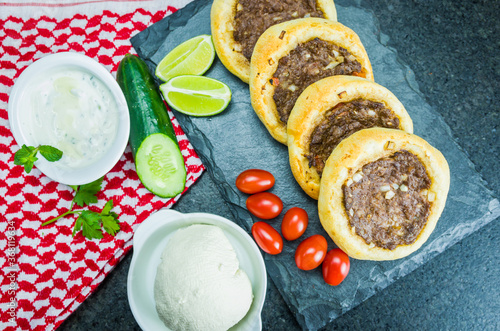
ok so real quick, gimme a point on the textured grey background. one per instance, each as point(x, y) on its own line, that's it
point(452, 48)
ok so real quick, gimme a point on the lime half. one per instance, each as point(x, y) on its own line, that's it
point(192, 57)
point(196, 95)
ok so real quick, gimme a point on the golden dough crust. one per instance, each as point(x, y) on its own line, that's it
point(274, 44)
point(351, 154)
point(309, 111)
point(222, 24)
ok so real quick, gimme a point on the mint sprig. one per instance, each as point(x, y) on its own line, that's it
point(26, 156)
point(90, 222)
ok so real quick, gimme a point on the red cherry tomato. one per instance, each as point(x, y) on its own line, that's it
point(264, 205)
point(268, 239)
point(335, 266)
point(311, 252)
point(254, 181)
point(294, 223)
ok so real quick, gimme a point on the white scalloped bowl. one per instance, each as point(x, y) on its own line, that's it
point(150, 239)
point(63, 61)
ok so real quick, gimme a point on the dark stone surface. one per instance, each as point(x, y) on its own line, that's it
point(452, 47)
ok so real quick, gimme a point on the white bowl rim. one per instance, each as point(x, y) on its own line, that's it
point(166, 216)
point(72, 59)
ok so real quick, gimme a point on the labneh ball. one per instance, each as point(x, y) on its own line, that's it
point(199, 285)
point(382, 192)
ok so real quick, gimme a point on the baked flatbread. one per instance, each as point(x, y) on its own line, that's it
point(229, 20)
point(330, 110)
point(382, 193)
point(291, 55)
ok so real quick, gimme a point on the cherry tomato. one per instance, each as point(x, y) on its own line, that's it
point(264, 205)
point(254, 181)
point(294, 223)
point(335, 266)
point(311, 252)
point(268, 239)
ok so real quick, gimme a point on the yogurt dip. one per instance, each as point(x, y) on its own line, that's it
point(199, 285)
point(72, 110)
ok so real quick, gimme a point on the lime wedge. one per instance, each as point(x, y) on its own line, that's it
point(196, 95)
point(192, 57)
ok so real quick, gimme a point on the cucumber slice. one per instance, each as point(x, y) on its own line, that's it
point(158, 159)
point(160, 165)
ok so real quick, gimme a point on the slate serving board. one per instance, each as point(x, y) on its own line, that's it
point(235, 140)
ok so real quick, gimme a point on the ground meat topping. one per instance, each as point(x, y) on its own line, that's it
point(387, 202)
point(343, 120)
point(306, 64)
point(253, 17)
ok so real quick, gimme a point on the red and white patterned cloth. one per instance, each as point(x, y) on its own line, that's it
point(45, 272)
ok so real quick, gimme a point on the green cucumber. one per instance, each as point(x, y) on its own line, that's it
point(158, 159)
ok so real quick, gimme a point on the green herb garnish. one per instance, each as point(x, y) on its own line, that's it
point(26, 156)
point(91, 222)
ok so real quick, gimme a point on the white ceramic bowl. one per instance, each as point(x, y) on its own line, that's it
point(69, 60)
point(150, 240)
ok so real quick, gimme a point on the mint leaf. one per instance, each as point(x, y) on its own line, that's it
point(86, 194)
point(26, 157)
point(111, 224)
point(50, 153)
point(23, 154)
point(91, 224)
